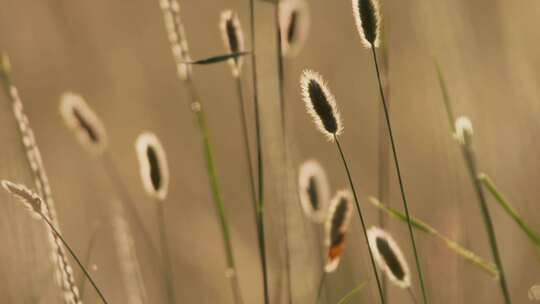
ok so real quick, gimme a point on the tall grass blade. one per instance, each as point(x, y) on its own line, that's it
point(531, 234)
point(217, 59)
point(420, 225)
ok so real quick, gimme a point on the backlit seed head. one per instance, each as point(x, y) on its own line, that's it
point(233, 38)
point(314, 190)
point(464, 129)
point(29, 198)
point(389, 257)
point(153, 165)
point(367, 17)
point(294, 22)
point(336, 226)
point(86, 125)
point(321, 104)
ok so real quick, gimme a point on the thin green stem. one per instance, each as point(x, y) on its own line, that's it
point(260, 167)
point(320, 288)
point(351, 293)
point(468, 154)
point(398, 171)
point(197, 108)
point(446, 97)
point(364, 230)
point(87, 259)
point(165, 255)
point(411, 294)
point(112, 172)
point(531, 234)
point(75, 257)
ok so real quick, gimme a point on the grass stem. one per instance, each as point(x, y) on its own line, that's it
point(398, 171)
point(165, 255)
point(468, 154)
point(351, 184)
point(75, 257)
point(87, 260)
point(260, 167)
point(351, 293)
point(531, 234)
point(321, 287)
point(197, 108)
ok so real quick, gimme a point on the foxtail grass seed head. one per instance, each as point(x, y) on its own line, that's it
point(321, 104)
point(464, 129)
point(294, 22)
point(367, 18)
point(153, 165)
point(177, 37)
point(29, 198)
point(389, 257)
point(233, 38)
point(86, 125)
point(336, 226)
point(314, 190)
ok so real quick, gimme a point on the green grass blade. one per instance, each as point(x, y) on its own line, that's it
point(446, 96)
point(461, 251)
point(490, 186)
point(351, 293)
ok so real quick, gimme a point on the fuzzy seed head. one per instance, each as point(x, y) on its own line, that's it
point(84, 122)
point(336, 226)
point(233, 38)
point(314, 190)
point(153, 165)
point(30, 199)
point(389, 257)
point(294, 22)
point(464, 129)
point(321, 104)
point(367, 17)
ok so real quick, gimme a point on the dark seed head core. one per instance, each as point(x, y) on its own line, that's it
point(322, 106)
point(291, 31)
point(336, 235)
point(390, 258)
point(92, 134)
point(313, 194)
point(232, 36)
point(155, 173)
point(369, 19)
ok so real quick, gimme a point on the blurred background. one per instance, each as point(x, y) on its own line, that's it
point(117, 56)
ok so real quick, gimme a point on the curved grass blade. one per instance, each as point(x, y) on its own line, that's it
point(217, 59)
point(463, 252)
point(351, 293)
point(488, 183)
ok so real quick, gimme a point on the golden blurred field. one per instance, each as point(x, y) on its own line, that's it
point(116, 54)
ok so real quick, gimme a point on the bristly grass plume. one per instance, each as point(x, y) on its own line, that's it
point(294, 23)
point(314, 190)
point(368, 22)
point(153, 165)
point(155, 179)
point(34, 203)
point(336, 226)
point(389, 257)
point(82, 120)
point(233, 38)
point(177, 37)
point(321, 106)
point(367, 18)
point(63, 270)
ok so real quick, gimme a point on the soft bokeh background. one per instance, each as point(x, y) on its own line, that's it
point(117, 55)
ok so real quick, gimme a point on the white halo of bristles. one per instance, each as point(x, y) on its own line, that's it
point(306, 78)
point(286, 10)
point(29, 198)
point(373, 234)
point(226, 16)
point(463, 127)
point(70, 102)
point(145, 140)
point(308, 170)
point(332, 263)
point(360, 27)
